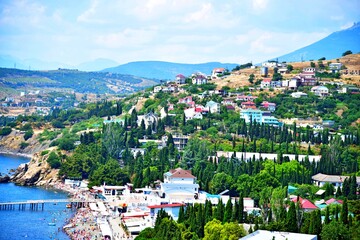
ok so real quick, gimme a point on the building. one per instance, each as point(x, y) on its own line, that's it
point(264, 234)
point(335, 67)
point(336, 180)
point(265, 83)
point(248, 105)
point(320, 91)
point(188, 101)
point(298, 94)
point(217, 71)
point(180, 79)
point(268, 106)
point(251, 115)
point(213, 107)
point(199, 78)
point(245, 98)
point(349, 89)
point(191, 113)
point(179, 186)
point(149, 119)
point(306, 205)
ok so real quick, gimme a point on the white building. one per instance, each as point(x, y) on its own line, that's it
point(263, 234)
point(179, 185)
point(336, 180)
point(298, 94)
point(149, 119)
point(320, 91)
point(213, 107)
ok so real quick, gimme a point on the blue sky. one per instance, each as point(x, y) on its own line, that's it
point(185, 31)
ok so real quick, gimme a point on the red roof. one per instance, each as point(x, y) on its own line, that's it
point(267, 80)
point(180, 76)
point(181, 173)
point(333, 200)
point(305, 204)
point(166, 205)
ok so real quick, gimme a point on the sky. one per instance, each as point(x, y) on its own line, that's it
point(183, 31)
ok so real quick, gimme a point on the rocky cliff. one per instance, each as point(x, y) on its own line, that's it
point(36, 172)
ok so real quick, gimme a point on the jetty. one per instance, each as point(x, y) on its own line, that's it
point(36, 205)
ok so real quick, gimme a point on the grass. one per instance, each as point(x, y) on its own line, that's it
point(29, 80)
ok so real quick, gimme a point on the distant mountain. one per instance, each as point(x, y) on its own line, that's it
point(97, 65)
point(330, 47)
point(79, 81)
point(166, 70)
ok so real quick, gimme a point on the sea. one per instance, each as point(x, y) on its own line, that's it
point(30, 224)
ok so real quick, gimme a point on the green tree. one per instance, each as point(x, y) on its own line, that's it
point(344, 216)
point(335, 231)
point(228, 211)
point(251, 78)
point(348, 52)
point(291, 223)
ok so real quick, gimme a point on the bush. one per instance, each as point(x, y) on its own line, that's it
point(54, 160)
point(28, 134)
point(43, 153)
point(66, 144)
point(5, 131)
point(26, 127)
point(57, 124)
point(23, 145)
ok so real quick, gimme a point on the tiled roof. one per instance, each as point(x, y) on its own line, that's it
point(305, 204)
point(333, 200)
point(166, 205)
point(331, 178)
point(181, 173)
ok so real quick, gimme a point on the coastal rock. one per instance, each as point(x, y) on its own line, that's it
point(4, 179)
point(36, 172)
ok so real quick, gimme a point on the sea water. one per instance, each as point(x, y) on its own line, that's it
point(30, 224)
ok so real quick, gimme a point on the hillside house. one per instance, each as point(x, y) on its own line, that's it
point(188, 101)
point(199, 78)
point(336, 180)
point(265, 83)
point(157, 89)
point(268, 106)
point(259, 116)
point(179, 186)
point(335, 67)
point(180, 79)
point(190, 114)
point(149, 119)
point(320, 91)
point(350, 89)
point(245, 98)
point(298, 94)
point(213, 107)
point(305, 204)
point(217, 71)
point(248, 105)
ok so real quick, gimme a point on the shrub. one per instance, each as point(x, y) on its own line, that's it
point(54, 160)
point(28, 134)
point(23, 145)
point(5, 131)
point(43, 153)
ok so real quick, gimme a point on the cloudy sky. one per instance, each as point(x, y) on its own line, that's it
point(186, 31)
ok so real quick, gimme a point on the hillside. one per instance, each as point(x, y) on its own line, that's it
point(166, 70)
point(331, 47)
point(78, 81)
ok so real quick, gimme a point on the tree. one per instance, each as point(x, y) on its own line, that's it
point(251, 78)
point(228, 211)
point(335, 231)
point(212, 230)
point(312, 64)
point(291, 223)
point(348, 52)
point(289, 68)
point(344, 213)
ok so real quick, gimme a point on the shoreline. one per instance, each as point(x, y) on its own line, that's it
point(26, 155)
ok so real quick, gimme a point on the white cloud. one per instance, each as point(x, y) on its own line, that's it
point(259, 5)
point(89, 16)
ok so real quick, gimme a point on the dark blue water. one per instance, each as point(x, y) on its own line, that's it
point(28, 224)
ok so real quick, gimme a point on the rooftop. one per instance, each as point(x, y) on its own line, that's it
point(263, 234)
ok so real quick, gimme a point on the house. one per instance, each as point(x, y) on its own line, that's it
point(271, 120)
point(282, 70)
point(292, 84)
point(248, 105)
point(336, 180)
point(298, 94)
point(333, 201)
point(180, 141)
point(335, 67)
point(305, 204)
point(179, 186)
point(190, 114)
point(199, 78)
point(180, 79)
point(264, 234)
point(230, 107)
point(309, 70)
point(149, 119)
point(227, 102)
point(217, 71)
point(157, 89)
point(172, 209)
point(251, 115)
point(136, 151)
point(265, 83)
point(188, 101)
point(307, 77)
point(349, 89)
point(213, 107)
point(328, 123)
point(268, 106)
point(320, 91)
point(245, 98)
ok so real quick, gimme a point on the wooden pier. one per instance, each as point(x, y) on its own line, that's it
point(36, 205)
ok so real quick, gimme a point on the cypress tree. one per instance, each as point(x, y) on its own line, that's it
point(219, 214)
point(291, 223)
point(241, 208)
point(181, 217)
point(208, 211)
point(235, 212)
point(327, 216)
point(352, 187)
point(344, 213)
point(337, 212)
point(228, 211)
